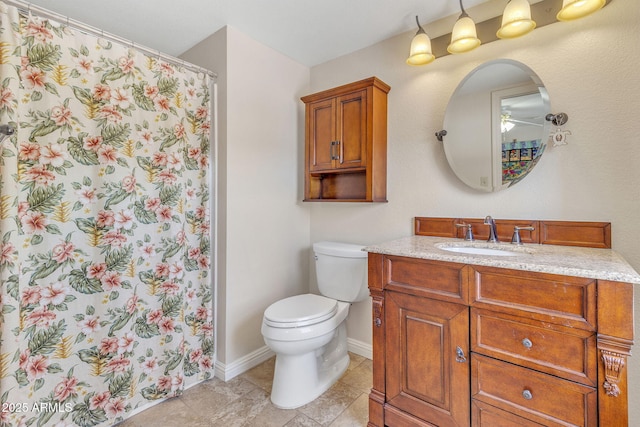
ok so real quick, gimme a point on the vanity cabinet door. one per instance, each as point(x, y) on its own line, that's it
point(427, 372)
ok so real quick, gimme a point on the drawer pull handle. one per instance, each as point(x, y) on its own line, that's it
point(527, 343)
point(460, 358)
point(527, 394)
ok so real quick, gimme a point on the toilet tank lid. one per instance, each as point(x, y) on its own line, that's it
point(345, 250)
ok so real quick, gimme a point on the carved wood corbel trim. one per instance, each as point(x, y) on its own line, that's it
point(613, 352)
point(613, 365)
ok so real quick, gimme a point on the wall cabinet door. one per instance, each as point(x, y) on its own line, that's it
point(428, 359)
point(322, 134)
point(338, 131)
point(351, 138)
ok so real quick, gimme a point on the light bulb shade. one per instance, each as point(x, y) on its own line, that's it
point(506, 126)
point(420, 53)
point(464, 37)
point(575, 9)
point(516, 20)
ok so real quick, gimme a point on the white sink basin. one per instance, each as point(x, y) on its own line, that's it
point(473, 250)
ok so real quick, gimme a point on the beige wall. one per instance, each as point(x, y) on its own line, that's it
point(263, 227)
point(590, 68)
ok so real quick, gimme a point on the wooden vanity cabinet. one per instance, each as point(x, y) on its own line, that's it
point(467, 345)
point(346, 143)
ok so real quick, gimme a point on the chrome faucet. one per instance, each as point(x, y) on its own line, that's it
point(493, 233)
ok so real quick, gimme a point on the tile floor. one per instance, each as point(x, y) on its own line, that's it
point(244, 402)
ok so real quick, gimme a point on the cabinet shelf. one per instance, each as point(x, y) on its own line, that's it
point(338, 186)
point(325, 173)
point(346, 143)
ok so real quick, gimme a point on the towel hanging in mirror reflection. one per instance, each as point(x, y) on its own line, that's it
point(559, 137)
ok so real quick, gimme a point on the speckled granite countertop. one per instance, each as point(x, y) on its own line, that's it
point(603, 264)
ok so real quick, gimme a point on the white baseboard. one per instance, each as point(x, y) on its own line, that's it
point(360, 348)
point(237, 367)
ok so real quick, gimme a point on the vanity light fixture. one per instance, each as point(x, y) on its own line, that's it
point(516, 20)
point(464, 37)
point(420, 53)
point(575, 9)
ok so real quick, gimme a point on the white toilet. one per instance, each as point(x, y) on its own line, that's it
point(308, 332)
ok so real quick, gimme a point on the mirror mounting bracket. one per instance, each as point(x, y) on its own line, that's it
point(441, 134)
point(557, 119)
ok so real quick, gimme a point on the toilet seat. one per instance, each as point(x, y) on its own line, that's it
point(300, 310)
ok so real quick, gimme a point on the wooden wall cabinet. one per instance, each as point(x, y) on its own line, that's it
point(467, 345)
point(346, 143)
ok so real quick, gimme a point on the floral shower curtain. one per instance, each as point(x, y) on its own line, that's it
point(106, 294)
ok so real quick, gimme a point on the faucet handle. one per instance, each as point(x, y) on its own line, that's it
point(468, 235)
point(516, 233)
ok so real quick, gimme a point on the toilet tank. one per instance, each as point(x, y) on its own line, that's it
point(341, 271)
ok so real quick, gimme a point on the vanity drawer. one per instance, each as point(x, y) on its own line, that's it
point(483, 415)
point(562, 300)
point(566, 352)
point(538, 397)
point(433, 279)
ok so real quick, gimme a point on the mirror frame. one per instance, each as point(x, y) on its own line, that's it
point(490, 95)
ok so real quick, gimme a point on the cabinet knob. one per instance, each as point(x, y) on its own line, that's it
point(527, 394)
point(377, 322)
point(527, 343)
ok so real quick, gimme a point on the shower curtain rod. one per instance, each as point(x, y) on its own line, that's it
point(26, 7)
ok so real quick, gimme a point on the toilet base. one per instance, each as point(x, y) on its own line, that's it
point(301, 378)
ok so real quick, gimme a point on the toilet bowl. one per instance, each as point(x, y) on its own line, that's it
point(308, 357)
point(308, 332)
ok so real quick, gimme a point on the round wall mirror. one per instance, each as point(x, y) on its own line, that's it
point(495, 125)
